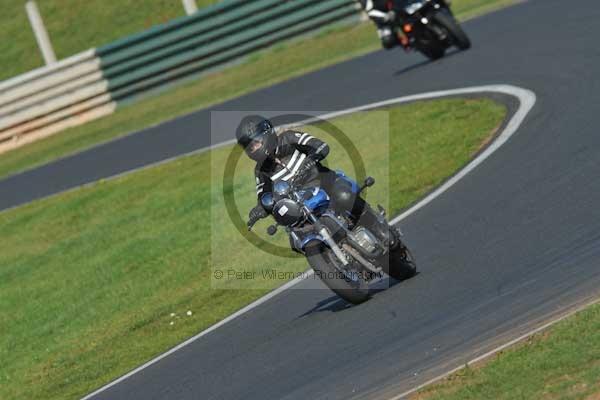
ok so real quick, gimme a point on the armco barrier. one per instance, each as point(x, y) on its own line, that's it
point(89, 85)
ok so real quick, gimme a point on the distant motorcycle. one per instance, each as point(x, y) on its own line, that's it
point(346, 255)
point(428, 26)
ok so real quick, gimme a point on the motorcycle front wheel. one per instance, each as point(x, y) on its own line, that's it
point(351, 287)
point(401, 264)
point(459, 37)
point(433, 52)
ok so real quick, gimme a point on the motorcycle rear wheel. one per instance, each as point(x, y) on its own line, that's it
point(321, 260)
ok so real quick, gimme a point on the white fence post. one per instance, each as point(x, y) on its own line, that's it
point(39, 30)
point(190, 6)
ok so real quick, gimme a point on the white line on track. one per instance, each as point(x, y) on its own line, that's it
point(526, 99)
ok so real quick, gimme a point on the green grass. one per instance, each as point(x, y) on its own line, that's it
point(561, 363)
point(89, 278)
point(18, 50)
point(285, 61)
point(75, 26)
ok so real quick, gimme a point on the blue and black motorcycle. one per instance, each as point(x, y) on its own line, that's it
point(345, 250)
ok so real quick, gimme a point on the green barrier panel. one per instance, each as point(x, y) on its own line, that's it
point(127, 92)
point(194, 29)
point(193, 44)
point(229, 42)
point(243, 26)
point(178, 23)
point(196, 35)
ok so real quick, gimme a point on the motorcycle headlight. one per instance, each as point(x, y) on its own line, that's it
point(282, 188)
point(267, 201)
point(365, 239)
point(287, 212)
point(414, 7)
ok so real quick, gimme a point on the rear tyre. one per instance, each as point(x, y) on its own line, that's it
point(351, 287)
point(458, 36)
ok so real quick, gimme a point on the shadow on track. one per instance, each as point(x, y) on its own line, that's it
point(331, 304)
point(335, 303)
point(425, 62)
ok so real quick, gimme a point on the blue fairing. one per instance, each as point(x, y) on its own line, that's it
point(355, 187)
point(318, 200)
point(309, 238)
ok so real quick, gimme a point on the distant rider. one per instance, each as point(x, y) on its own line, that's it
point(384, 18)
point(383, 14)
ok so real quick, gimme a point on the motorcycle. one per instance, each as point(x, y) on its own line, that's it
point(346, 254)
point(428, 26)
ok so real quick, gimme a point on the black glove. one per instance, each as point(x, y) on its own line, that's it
point(316, 157)
point(256, 213)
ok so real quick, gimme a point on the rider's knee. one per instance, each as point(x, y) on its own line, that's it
point(342, 195)
point(344, 198)
point(388, 38)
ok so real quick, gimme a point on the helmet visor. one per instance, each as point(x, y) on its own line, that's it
point(255, 145)
point(264, 127)
point(258, 139)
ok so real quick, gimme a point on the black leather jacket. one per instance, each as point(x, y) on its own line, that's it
point(292, 152)
point(376, 10)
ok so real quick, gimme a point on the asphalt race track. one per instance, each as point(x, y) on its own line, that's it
point(512, 244)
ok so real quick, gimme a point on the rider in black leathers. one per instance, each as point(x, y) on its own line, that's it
point(296, 157)
point(386, 19)
point(380, 13)
point(290, 156)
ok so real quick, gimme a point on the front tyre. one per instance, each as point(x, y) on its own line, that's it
point(401, 263)
point(458, 36)
point(434, 51)
point(351, 287)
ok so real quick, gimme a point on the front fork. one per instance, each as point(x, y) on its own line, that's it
point(324, 233)
point(322, 230)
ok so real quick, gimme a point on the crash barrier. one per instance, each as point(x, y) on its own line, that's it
point(91, 84)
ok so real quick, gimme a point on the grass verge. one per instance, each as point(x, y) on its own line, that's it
point(89, 278)
point(560, 363)
point(274, 65)
point(96, 22)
